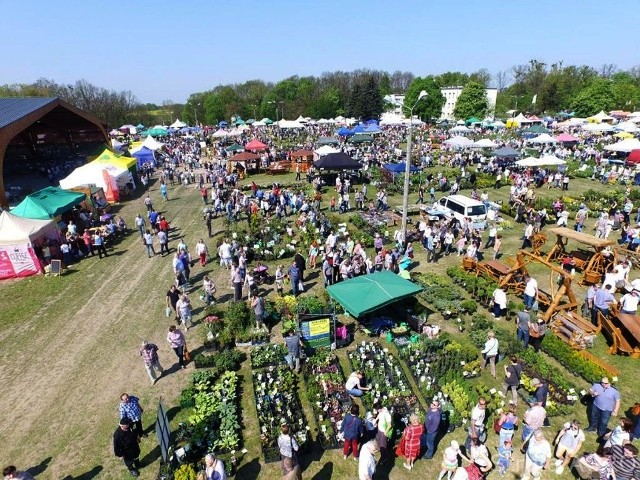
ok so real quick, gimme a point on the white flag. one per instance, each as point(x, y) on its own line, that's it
point(535, 97)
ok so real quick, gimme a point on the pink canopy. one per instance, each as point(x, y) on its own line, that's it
point(565, 137)
point(255, 144)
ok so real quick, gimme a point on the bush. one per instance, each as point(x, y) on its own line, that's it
point(227, 360)
point(187, 397)
point(570, 359)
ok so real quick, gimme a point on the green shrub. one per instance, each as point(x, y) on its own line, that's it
point(187, 397)
point(571, 360)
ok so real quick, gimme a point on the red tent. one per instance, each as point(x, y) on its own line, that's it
point(255, 145)
point(634, 157)
point(566, 138)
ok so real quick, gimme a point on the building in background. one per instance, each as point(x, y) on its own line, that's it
point(451, 95)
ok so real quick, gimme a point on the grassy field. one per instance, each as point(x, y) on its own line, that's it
point(69, 347)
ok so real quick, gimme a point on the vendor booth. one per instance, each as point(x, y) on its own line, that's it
point(374, 291)
point(304, 158)
point(48, 203)
point(17, 238)
point(110, 178)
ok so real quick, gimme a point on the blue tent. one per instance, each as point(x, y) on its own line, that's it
point(145, 155)
point(399, 168)
point(344, 132)
point(185, 130)
point(223, 124)
point(359, 128)
point(372, 128)
point(373, 121)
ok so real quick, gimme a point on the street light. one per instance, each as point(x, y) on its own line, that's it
point(407, 168)
point(195, 112)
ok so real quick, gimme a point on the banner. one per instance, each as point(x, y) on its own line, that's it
point(18, 261)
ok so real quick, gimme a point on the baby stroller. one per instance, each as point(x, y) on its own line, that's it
point(261, 275)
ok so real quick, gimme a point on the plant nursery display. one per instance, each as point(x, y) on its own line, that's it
point(277, 403)
point(326, 392)
point(268, 355)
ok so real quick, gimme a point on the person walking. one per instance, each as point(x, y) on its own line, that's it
point(147, 241)
point(125, 446)
point(385, 429)
point(352, 429)
point(214, 468)
point(149, 353)
point(183, 307)
point(257, 303)
point(411, 439)
point(163, 240)
point(209, 289)
point(295, 278)
point(512, 373)
point(490, 352)
point(293, 344)
point(432, 428)
point(606, 402)
point(523, 319)
point(508, 422)
point(537, 456)
point(288, 447)
point(141, 223)
point(367, 460)
point(98, 243)
point(534, 419)
point(12, 473)
point(476, 424)
point(173, 295)
point(537, 331)
point(176, 339)
point(131, 409)
point(236, 281)
point(202, 251)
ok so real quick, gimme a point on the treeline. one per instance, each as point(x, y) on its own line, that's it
point(359, 93)
point(114, 108)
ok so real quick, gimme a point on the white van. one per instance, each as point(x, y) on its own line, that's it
point(461, 206)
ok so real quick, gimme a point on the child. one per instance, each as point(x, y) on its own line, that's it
point(461, 243)
point(450, 460)
point(332, 204)
point(504, 457)
point(496, 247)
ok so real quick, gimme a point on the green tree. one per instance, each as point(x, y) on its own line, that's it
point(452, 79)
point(472, 102)
point(372, 104)
point(599, 95)
point(428, 108)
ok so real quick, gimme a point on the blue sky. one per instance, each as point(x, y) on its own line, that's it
point(164, 49)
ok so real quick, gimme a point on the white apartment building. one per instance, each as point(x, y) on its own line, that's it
point(451, 95)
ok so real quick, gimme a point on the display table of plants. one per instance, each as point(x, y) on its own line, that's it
point(277, 403)
point(214, 423)
point(384, 375)
point(267, 355)
point(325, 384)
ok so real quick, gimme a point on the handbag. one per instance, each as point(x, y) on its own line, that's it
point(497, 425)
point(400, 447)
point(186, 354)
point(167, 312)
point(300, 286)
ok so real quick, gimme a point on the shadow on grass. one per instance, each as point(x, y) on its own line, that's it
point(86, 475)
point(150, 457)
point(249, 470)
point(41, 467)
point(325, 473)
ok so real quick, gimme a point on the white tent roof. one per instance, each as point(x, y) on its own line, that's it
point(178, 124)
point(221, 133)
point(324, 121)
point(459, 142)
point(499, 124)
point(91, 173)
point(164, 127)
point(326, 150)
point(543, 138)
point(601, 116)
point(259, 123)
point(234, 132)
point(15, 230)
point(460, 129)
point(597, 127)
point(634, 115)
point(301, 119)
point(628, 127)
point(290, 124)
point(151, 143)
point(545, 160)
point(484, 143)
point(624, 145)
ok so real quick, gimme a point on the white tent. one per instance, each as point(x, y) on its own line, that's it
point(543, 138)
point(234, 132)
point(600, 117)
point(221, 133)
point(498, 124)
point(628, 127)
point(290, 124)
point(17, 235)
point(460, 142)
point(301, 119)
point(149, 142)
point(460, 129)
point(545, 160)
point(93, 174)
point(259, 123)
point(597, 127)
point(325, 150)
point(624, 145)
point(635, 115)
point(178, 124)
point(484, 143)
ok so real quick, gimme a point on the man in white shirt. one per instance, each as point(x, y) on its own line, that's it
point(476, 424)
point(490, 352)
point(530, 292)
point(499, 302)
point(367, 460)
point(629, 303)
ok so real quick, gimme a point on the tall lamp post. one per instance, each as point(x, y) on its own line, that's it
point(407, 168)
point(195, 112)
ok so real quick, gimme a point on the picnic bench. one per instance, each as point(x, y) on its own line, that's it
point(619, 343)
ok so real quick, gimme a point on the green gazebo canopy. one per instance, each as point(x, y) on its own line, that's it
point(367, 293)
point(48, 203)
point(234, 148)
point(361, 139)
point(536, 129)
point(472, 120)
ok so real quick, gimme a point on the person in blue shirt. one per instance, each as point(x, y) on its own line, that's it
point(606, 402)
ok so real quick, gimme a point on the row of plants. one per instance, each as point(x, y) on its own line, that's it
point(229, 325)
point(220, 362)
point(571, 359)
point(267, 355)
point(277, 403)
point(384, 375)
point(325, 386)
point(214, 422)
